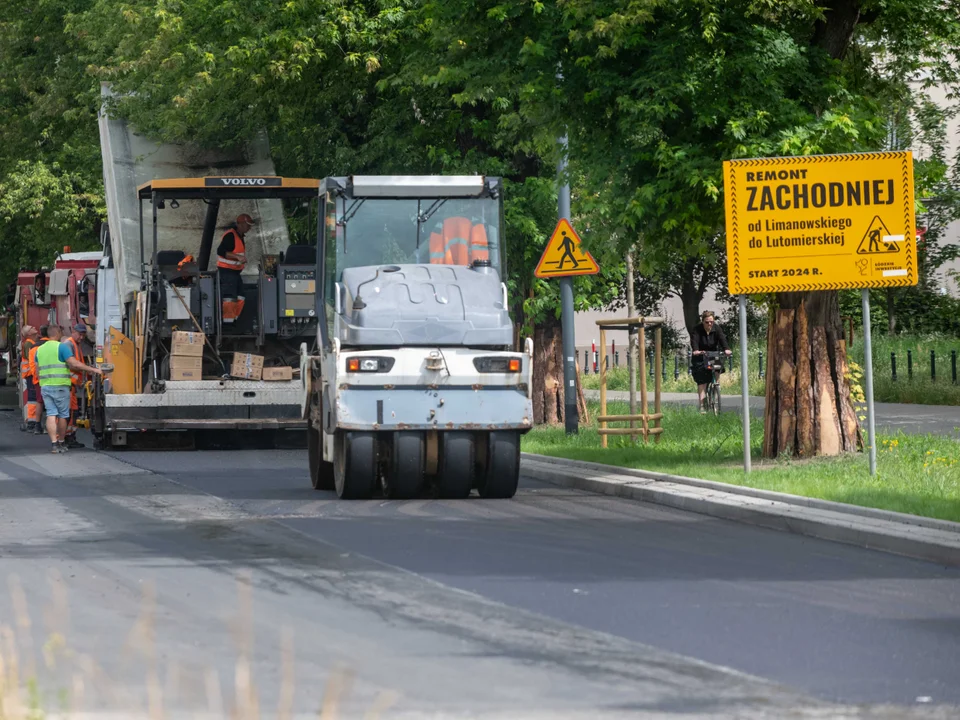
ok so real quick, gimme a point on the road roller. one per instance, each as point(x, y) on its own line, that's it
point(415, 385)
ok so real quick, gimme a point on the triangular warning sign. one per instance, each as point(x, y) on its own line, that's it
point(563, 256)
point(878, 240)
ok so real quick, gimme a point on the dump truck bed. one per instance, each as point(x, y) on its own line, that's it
point(130, 160)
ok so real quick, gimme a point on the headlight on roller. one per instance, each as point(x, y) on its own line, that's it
point(369, 364)
point(497, 364)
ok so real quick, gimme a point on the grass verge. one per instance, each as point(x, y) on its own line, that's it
point(916, 474)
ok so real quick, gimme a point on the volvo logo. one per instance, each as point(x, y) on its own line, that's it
point(243, 182)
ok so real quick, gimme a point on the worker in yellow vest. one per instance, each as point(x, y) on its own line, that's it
point(54, 361)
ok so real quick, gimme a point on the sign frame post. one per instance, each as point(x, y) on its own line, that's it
point(744, 384)
point(868, 379)
point(571, 414)
point(571, 411)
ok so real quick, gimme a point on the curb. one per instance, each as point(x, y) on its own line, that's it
point(928, 539)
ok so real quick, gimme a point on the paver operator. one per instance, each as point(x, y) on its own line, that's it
point(231, 260)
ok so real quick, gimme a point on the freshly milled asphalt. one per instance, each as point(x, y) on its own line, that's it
point(554, 601)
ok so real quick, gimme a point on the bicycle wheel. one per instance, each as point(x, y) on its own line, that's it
point(713, 397)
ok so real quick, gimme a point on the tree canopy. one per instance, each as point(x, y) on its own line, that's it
point(652, 95)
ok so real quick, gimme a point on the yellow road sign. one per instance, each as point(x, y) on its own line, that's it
point(821, 222)
point(563, 256)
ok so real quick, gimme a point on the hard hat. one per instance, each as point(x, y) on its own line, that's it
point(246, 218)
point(26, 330)
point(80, 327)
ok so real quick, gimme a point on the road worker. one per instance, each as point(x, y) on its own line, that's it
point(54, 362)
point(77, 333)
point(32, 369)
point(231, 260)
point(30, 338)
point(459, 242)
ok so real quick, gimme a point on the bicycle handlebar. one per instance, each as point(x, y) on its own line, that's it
point(713, 360)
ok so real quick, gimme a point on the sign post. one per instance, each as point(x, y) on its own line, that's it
point(744, 384)
point(822, 222)
point(564, 258)
point(868, 379)
point(571, 415)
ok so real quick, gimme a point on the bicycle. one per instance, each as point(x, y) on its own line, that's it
point(713, 361)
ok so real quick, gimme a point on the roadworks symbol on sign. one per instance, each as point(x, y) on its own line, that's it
point(878, 240)
point(563, 256)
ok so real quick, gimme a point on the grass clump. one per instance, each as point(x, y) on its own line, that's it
point(916, 474)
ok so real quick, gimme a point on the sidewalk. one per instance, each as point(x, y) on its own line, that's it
point(891, 417)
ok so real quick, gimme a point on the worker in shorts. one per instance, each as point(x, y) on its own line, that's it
point(55, 361)
point(77, 333)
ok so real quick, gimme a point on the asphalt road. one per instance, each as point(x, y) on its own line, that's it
point(891, 417)
point(555, 603)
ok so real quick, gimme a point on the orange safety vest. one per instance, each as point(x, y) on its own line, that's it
point(75, 377)
point(32, 369)
point(25, 349)
point(479, 247)
point(238, 248)
point(460, 242)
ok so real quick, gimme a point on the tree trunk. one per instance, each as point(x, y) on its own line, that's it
point(547, 373)
point(691, 294)
point(848, 415)
point(835, 31)
point(786, 369)
point(808, 406)
point(770, 418)
point(582, 408)
point(806, 444)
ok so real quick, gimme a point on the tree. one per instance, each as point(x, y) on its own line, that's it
point(50, 179)
point(664, 98)
point(341, 87)
point(810, 395)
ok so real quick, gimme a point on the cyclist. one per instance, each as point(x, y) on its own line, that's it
point(706, 337)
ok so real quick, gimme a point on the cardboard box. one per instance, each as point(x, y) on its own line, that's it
point(188, 374)
point(188, 344)
point(241, 372)
point(278, 373)
point(247, 366)
point(183, 367)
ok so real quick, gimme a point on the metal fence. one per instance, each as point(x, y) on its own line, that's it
point(674, 364)
point(589, 359)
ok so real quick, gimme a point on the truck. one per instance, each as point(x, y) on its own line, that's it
point(414, 382)
point(179, 362)
point(64, 294)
